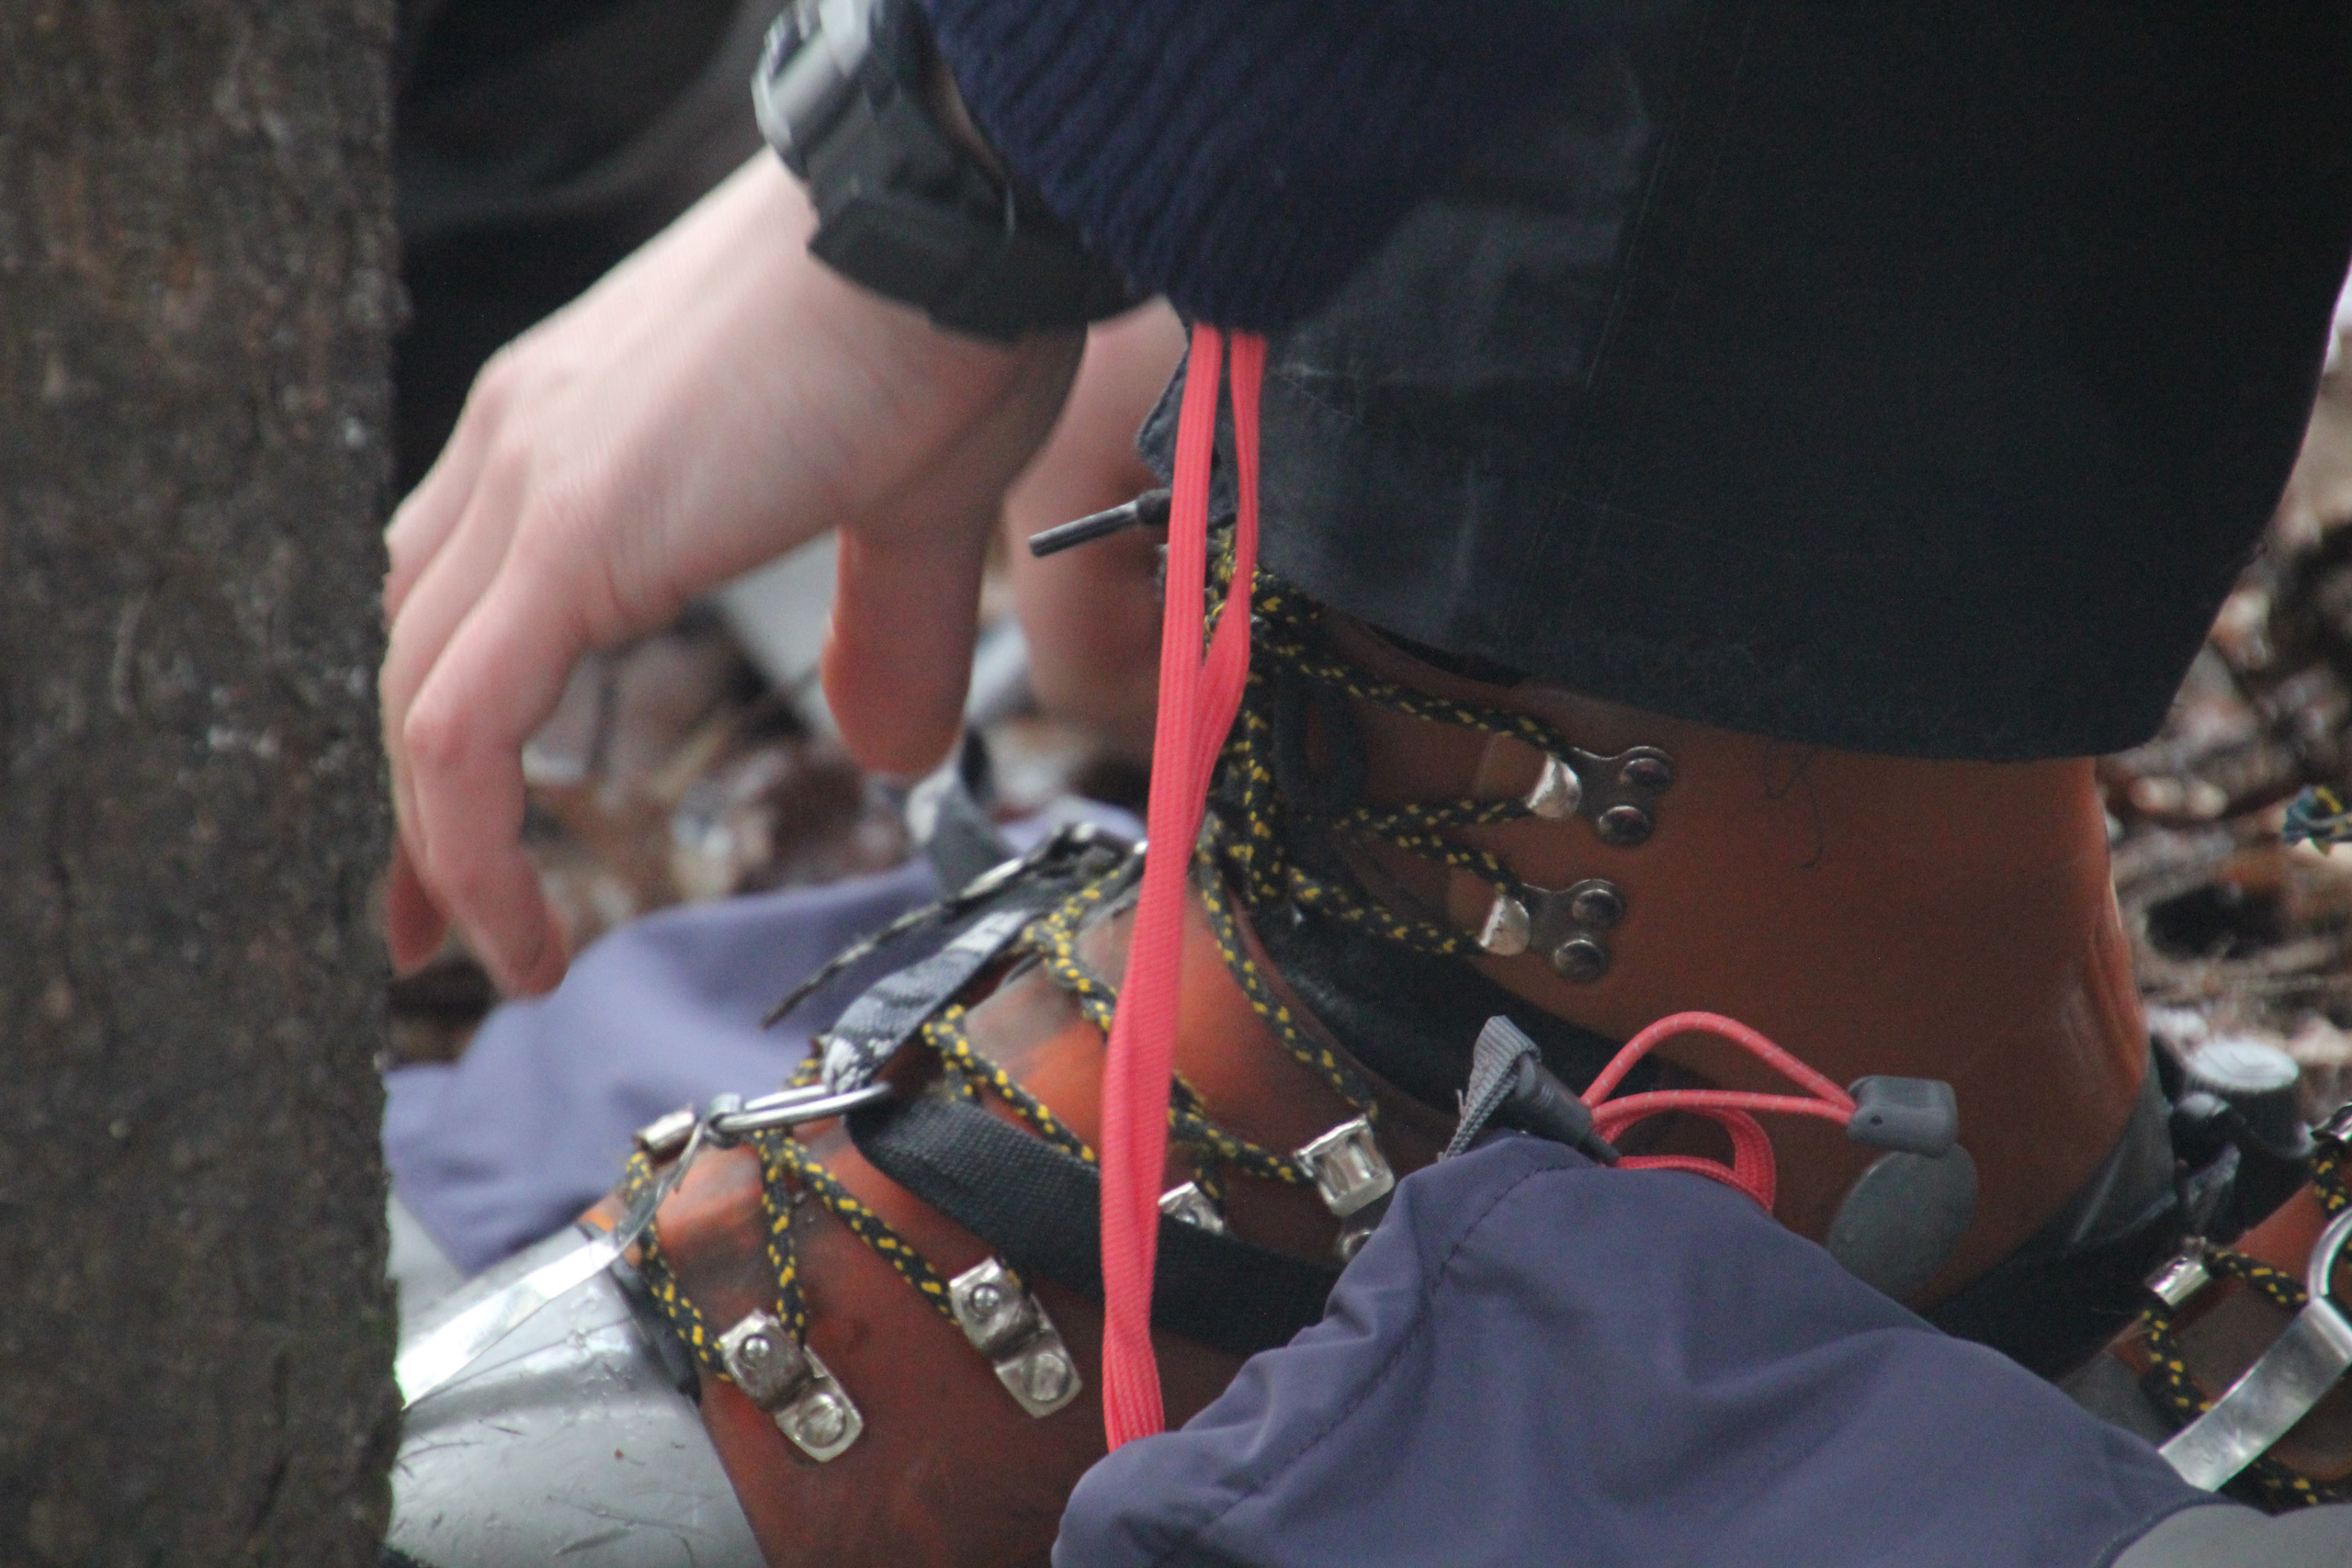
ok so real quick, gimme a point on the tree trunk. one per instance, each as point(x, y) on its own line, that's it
point(195, 290)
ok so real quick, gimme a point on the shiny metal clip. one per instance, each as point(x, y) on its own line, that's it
point(2280, 1388)
point(785, 1378)
point(787, 1108)
point(664, 1136)
point(1008, 1326)
point(1191, 1206)
point(1556, 793)
point(1347, 1168)
point(2182, 1277)
point(1505, 931)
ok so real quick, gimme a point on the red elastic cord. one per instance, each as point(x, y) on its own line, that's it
point(1198, 698)
point(1752, 1168)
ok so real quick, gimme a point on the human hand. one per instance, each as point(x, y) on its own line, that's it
point(719, 398)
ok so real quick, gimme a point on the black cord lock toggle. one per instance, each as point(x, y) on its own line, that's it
point(1149, 509)
point(1510, 1087)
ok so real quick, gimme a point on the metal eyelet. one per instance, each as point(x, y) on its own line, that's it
point(1625, 826)
point(1506, 929)
point(1618, 795)
point(785, 1378)
point(1568, 925)
point(2182, 1276)
point(1557, 791)
point(1581, 959)
point(1009, 1326)
point(1188, 1205)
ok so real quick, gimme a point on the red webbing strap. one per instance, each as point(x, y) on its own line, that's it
point(1198, 698)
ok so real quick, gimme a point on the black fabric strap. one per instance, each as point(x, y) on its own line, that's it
point(1041, 1210)
point(2076, 1284)
point(872, 1028)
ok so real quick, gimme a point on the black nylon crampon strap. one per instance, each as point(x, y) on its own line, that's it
point(872, 1029)
point(1040, 1210)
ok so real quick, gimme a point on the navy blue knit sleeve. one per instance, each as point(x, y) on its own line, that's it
point(1242, 156)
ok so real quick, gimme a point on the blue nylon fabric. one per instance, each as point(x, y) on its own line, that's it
point(530, 1126)
point(1537, 1361)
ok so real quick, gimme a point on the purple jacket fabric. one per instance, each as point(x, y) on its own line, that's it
point(1535, 1361)
point(530, 1126)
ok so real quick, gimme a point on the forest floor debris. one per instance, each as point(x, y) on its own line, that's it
point(2236, 934)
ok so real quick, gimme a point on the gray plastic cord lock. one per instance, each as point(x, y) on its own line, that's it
point(1919, 1116)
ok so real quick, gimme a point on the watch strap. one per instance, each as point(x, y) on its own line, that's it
point(903, 208)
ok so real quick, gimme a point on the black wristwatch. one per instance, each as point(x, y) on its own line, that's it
point(902, 206)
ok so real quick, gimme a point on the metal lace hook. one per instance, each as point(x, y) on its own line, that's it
point(2282, 1386)
point(789, 1109)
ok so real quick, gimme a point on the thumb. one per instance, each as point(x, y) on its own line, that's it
point(898, 653)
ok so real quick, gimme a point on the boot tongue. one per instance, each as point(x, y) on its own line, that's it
point(1412, 1017)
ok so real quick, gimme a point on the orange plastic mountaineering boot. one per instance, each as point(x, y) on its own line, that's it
point(895, 1315)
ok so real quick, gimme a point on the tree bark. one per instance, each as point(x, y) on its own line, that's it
point(196, 290)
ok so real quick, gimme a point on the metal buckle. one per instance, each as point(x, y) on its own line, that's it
point(2280, 1388)
point(2181, 1278)
point(1190, 1206)
point(2337, 1129)
point(1347, 1168)
point(1008, 1326)
point(785, 1378)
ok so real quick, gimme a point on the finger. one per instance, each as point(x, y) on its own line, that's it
point(415, 926)
point(898, 654)
point(449, 590)
point(497, 681)
point(425, 520)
